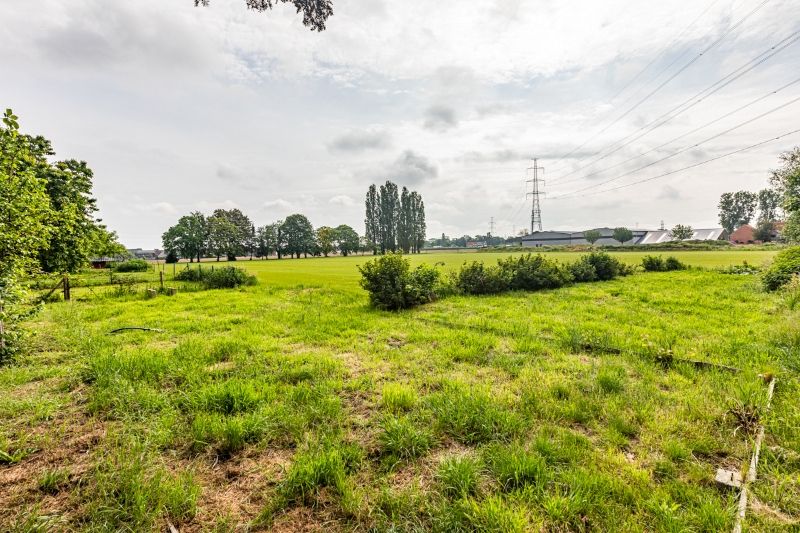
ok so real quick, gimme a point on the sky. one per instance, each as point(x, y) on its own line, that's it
point(179, 108)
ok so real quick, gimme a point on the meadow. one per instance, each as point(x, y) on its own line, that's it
point(293, 406)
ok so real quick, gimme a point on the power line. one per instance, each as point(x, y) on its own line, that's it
point(673, 76)
point(740, 150)
point(681, 136)
point(710, 90)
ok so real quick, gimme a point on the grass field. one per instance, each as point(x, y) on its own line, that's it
point(293, 406)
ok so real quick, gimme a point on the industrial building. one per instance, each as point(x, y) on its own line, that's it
point(567, 238)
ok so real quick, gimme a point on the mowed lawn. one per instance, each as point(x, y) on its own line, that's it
point(293, 406)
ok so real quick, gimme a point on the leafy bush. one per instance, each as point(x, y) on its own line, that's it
point(477, 278)
point(533, 272)
point(393, 285)
point(132, 265)
point(190, 274)
point(652, 263)
point(227, 278)
point(780, 272)
point(607, 267)
point(672, 263)
point(583, 271)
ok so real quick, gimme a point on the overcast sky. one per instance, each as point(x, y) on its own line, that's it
point(178, 108)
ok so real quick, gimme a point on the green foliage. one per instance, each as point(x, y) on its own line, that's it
point(188, 238)
point(583, 270)
point(52, 481)
point(25, 225)
point(622, 235)
point(681, 232)
point(297, 235)
point(227, 278)
point(533, 272)
point(398, 398)
point(401, 439)
point(514, 467)
point(347, 239)
point(326, 240)
point(394, 221)
point(392, 285)
point(736, 209)
point(607, 267)
point(785, 265)
point(459, 477)
point(316, 469)
point(132, 265)
point(653, 263)
point(230, 233)
point(791, 292)
point(471, 416)
point(477, 278)
point(591, 236)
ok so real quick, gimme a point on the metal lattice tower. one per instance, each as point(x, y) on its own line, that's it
point(536, 209)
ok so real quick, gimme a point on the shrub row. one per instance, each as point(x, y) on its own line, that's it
point(785, 265)
point(535, 272)
point(132, 265)
point(392, 284)
point(227, 277)
point(652, 263)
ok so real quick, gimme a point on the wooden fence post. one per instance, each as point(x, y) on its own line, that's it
point(66, 288)
point(161, 279)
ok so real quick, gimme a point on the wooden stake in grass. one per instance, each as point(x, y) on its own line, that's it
point(751, 473)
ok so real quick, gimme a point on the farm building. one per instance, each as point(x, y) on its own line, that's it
point(560, 238)
point(103, 262)
point(150, 255)
point(744, 234)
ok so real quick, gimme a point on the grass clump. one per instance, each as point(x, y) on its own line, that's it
point(318, 468)
point(514, 467)
point(392, 285)
point(459, 477)
point(471, 416)
point(132, 265)
point(398, 398)
point(785, 265)
point(400, 439)
point(52, 481)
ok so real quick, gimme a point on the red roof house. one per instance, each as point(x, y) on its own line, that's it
point(743, 235)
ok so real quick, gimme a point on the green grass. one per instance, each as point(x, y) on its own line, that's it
point(292, 400)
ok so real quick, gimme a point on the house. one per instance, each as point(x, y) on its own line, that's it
point(476, 244)
point(572, 238)
point(744, 234)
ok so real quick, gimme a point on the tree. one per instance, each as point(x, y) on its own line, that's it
point(591, 236)
point(105, 243)
point(326, 240)
point(298, 235)
point(405, 222)
point(389, 203)
point(764, 231)
point(681, 232)
point(315, 12)
point(188, 238)
point(418, 217)
point(230, 233)
point(786, 179)
point(769, 202)
point(736, 209)
point(267, 240)
point(372, 219)
point(24, 226)
point(622, 235)
point(347, 239)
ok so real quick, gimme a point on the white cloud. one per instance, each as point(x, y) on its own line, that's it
point(342, 200)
